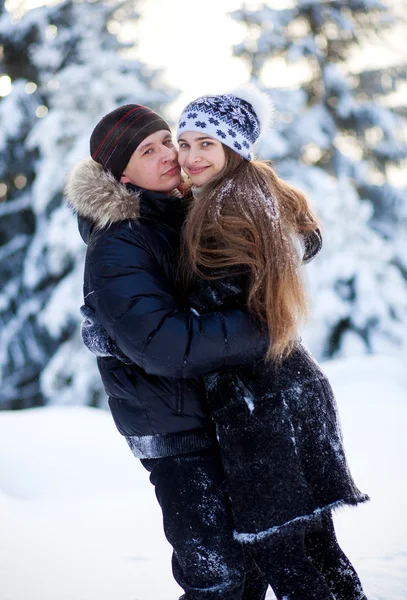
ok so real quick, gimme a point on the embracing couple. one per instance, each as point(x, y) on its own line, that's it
point(193, 303)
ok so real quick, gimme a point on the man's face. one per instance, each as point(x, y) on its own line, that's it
point(153, 165)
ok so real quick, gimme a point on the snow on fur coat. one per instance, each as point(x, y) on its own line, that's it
point(278, 430)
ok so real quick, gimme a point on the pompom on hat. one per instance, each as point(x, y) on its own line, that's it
point(118, 134)
point(237, 119)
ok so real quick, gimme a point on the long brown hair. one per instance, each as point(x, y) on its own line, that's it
point(245, 218)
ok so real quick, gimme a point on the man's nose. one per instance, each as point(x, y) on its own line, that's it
point(168, 154)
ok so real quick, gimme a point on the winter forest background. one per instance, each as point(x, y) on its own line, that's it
point(336, 71)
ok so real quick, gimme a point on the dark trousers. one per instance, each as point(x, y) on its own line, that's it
point(207, 562)
point(308, 564)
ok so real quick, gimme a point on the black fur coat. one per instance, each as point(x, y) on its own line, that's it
point(278, 430)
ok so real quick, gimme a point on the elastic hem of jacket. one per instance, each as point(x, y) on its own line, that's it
point(251, 538)
point(170, 444)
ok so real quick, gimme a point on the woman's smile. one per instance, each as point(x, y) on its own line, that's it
point(201, 156)
point(196, 170)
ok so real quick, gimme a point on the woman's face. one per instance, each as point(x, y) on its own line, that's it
point(200, 156)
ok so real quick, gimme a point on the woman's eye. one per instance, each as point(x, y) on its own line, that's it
point(206, 144)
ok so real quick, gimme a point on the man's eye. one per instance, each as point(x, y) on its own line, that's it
point(183, 145)
point(147, 151)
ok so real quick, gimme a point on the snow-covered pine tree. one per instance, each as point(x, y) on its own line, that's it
point(64, 68)
point(337, 137)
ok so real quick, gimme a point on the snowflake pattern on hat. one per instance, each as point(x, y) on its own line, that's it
point(227, 118)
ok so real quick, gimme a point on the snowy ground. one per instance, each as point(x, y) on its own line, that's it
point(79, 520)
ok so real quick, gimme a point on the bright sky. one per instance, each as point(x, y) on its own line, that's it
point(193, 42)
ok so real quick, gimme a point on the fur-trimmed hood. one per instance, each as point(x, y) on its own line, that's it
point(97, 196)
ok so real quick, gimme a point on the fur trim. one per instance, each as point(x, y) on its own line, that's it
point(250, 538)
point(261, 102)
point(95, 194)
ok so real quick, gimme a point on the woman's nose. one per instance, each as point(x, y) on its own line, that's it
point(193, 156)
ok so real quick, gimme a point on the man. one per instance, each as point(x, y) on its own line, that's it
point(131, 220)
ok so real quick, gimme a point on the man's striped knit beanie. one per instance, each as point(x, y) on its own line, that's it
point(118, 134)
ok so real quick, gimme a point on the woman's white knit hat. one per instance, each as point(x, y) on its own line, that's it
point(237, 119)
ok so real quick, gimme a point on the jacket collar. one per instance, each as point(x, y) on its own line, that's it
point(97, 196)
point(157, 206)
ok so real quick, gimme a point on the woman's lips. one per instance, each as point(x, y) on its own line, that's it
point(196, 170)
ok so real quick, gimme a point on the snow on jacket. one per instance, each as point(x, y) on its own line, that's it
point(129, 281)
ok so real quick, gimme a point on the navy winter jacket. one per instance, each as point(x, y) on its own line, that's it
point(129, 281)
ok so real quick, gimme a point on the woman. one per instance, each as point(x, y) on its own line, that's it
point(276, 419)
